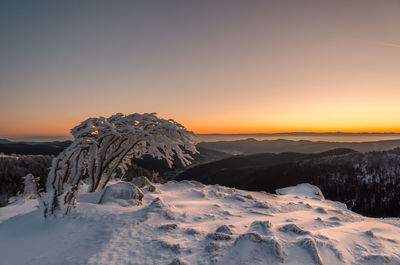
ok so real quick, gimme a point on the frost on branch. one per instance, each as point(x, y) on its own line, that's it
point(103, 145)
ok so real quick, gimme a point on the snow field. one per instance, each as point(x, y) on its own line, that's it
point(190, 223)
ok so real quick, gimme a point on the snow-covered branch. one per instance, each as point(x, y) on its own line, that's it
point(103, 145)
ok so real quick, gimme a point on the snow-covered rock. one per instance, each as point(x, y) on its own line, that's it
point(188, 223)
point(123, 193)
point(304, 189)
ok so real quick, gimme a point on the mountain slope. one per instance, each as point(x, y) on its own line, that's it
point(203, 156)
point(189, 223)
point(234, 171)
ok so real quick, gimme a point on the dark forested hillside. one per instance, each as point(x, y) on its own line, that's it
point(161, 166)
point(31, 148)
point(235, 171)
point(13, 169)
point(367, 182)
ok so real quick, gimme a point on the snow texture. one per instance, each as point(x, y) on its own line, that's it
point(189, 223)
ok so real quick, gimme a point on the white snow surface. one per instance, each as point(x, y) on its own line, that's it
point(190, 223)
point(304, 189)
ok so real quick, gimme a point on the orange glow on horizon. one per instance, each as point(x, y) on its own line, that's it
point(220, 68)
point(222, 130)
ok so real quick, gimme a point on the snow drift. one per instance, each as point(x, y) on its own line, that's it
point(190, 223)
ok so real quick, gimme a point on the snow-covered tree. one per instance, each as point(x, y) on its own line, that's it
point(31, 188)
point(102, 145)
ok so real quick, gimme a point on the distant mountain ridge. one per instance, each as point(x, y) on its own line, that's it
point(252, 146)
point(33, 148)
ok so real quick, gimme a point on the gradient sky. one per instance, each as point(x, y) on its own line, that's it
point(214, 66)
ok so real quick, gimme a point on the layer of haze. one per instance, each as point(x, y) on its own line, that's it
point(214, 66)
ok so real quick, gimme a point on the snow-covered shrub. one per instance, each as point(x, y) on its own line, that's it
point(102, 146)
point(31, 189)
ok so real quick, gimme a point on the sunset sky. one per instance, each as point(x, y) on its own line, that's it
point(214, 66)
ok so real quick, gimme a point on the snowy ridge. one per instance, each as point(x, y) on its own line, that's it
point(190, 223)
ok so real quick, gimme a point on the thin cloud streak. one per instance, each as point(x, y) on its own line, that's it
point(391, 44)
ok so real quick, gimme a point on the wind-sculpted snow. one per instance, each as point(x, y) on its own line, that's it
point(189, 223)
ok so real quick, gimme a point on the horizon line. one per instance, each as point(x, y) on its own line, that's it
point(298, 132)
point(260, 133)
